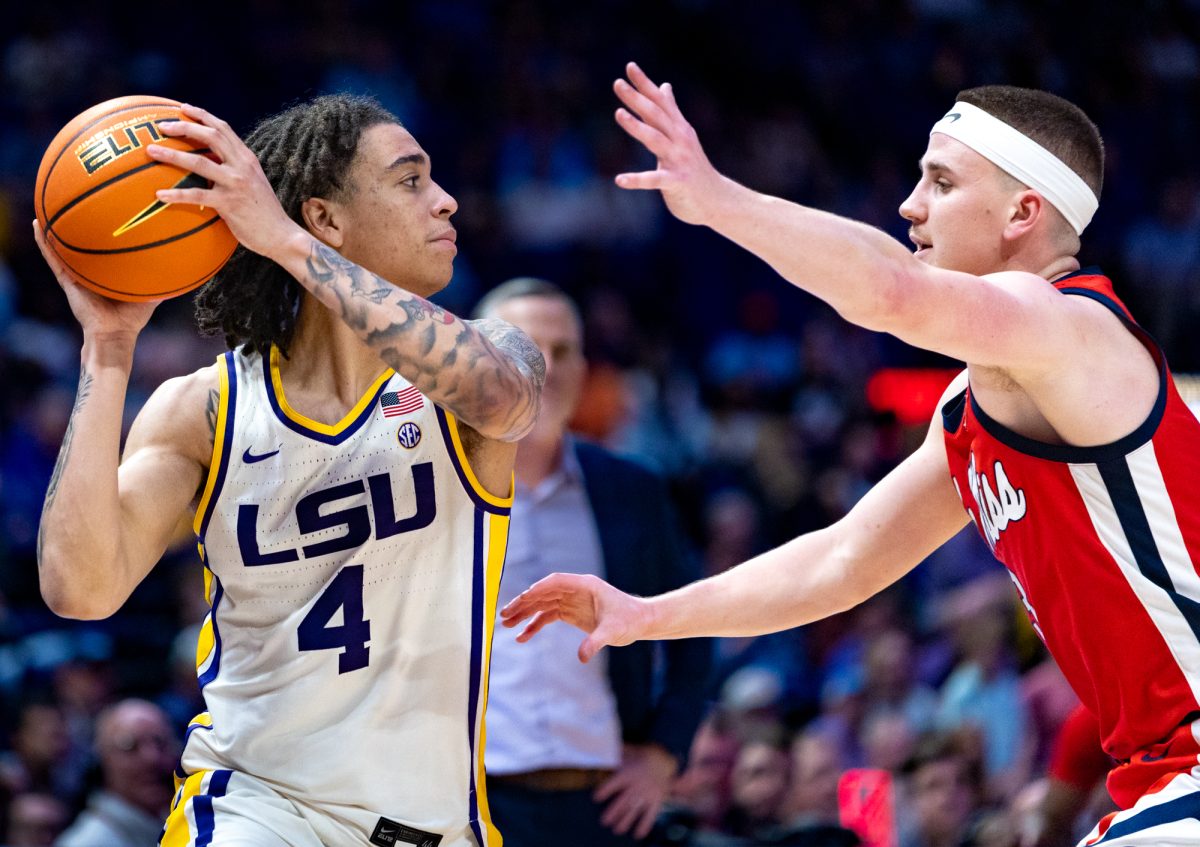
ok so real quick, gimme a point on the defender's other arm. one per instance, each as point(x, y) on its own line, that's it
point(899, 522)
point(487, 373)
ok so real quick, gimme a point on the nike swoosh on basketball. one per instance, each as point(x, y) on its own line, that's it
point(249, 458)
point(189, 181)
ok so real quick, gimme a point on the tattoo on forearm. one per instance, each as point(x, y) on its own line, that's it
point(499, 375)
point(325, 265)
point(512, 340)
point(81, 396)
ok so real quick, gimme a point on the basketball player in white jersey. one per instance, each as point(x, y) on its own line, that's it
point(349, 463)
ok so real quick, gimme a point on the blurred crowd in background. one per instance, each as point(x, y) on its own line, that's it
point(748, 395)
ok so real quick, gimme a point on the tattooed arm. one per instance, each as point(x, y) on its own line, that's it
point(493, 388)
point(488, 373)
point(107, 520)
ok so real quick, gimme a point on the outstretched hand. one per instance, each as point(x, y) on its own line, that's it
point(688, 181)
point(238, 188)
point(587, 602)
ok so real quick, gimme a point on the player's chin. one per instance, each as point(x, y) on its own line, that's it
point(439, 278)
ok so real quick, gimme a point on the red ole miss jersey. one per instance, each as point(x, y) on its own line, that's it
point(1102, 543)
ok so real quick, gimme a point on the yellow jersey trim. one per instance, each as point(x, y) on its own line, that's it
point(219, 446)
point(476, 485)
point(177, 832)
point(317, 426)
point(497, 547)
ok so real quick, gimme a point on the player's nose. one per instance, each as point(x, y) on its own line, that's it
point(446, 204)
point(912, 209)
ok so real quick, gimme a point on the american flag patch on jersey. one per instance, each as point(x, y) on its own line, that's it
point(401, 402)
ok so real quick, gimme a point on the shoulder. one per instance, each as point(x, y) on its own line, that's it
point(1022, 284)
point(181, 415)
point(1042, 292)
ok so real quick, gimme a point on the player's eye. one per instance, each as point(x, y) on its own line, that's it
point(411, 181)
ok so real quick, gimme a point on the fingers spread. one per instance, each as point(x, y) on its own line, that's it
point(610, 787)
point(205, 117)
point(48, 253)
point(589, 648)
point(194, 162)
point(192, 196)
point(642, 82)
point(669, 104)
point(648, 816)
point(540, 620)
point(622, 812)
point(222, 139)
point(643, 181)
point(654, 141)
point(645, 107)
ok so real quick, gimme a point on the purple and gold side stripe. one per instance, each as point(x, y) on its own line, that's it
point(192, 821)
point(222, 441)
point(482, 498)
point(490, 547)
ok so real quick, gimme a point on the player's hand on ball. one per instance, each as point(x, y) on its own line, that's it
point(611, 617)
point(686, 178)
point(238, 190)
point(100, 317)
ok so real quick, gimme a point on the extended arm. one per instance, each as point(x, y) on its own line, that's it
point(487, 372)
point(1017, 322)
point(106, 521)
point(489, 375)
point(897, 524)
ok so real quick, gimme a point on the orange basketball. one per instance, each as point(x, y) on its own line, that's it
point(95, 200)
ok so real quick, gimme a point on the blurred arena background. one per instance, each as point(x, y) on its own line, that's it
point(751, 397)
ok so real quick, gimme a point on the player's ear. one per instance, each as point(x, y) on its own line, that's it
point(322, 219)
point(1027, 209)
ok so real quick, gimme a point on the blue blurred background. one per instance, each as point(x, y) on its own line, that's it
point(746, 393)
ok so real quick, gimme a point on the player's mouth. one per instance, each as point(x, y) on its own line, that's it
point(447, 238)
point(922, 246)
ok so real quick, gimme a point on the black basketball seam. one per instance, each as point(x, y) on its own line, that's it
point(154, 295)
point(71, 140)
point(92, 251)
point(75, 201)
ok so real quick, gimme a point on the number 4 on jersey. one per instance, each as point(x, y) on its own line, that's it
point(352, 634)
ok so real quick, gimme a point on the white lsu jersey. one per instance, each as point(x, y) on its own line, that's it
point(352, 572)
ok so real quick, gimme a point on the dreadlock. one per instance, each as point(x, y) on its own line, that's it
point(305, 151)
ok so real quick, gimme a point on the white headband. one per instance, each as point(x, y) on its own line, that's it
point(1021, 157)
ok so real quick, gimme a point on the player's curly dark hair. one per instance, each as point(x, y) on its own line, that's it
point(305, 152)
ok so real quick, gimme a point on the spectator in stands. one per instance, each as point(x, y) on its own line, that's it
point(137, 751)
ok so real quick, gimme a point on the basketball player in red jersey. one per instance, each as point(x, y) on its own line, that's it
point(1064, 440)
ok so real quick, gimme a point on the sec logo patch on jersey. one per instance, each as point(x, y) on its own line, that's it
point(409, 435)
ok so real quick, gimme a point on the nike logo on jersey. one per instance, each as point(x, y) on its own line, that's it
point(249, 458)
point(389, 833)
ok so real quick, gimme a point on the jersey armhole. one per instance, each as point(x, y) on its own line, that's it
point(222, 441)
point(483, 498)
